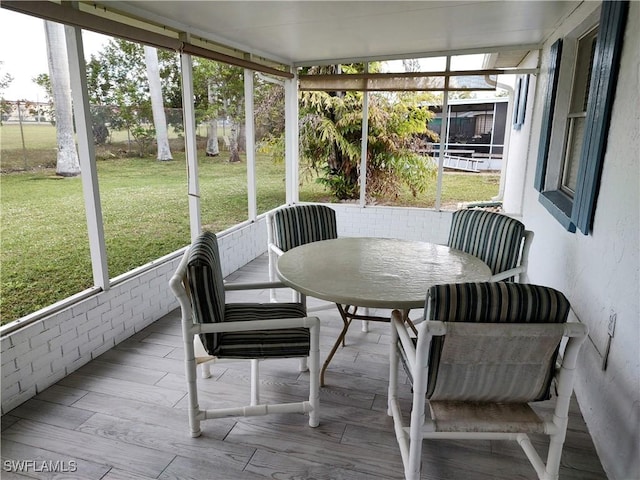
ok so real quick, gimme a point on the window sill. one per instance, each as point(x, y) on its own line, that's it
point(560, 206)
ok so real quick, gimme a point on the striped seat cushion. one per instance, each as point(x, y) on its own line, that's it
point(281, 343)
point(301, 224)
point(492, 237)
point(494, 302)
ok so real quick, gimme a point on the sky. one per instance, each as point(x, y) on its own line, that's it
point(23, 53)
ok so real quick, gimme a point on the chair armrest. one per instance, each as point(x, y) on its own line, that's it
point(243, 326)
point(253, 285)
point(498, 277)
point(523, 259)
point(275, 249)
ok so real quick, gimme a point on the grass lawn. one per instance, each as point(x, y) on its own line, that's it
point(44, 249)
point(40, 146)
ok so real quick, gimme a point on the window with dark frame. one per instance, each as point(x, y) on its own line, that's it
point(568, 181)
point(578, 111)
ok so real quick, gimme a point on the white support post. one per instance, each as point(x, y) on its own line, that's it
point(505, 142)
point(364, 144)
point(444, 134)
point(87, 156)
point(191, 148)
point(291, 139)
point(493, 131)
point(252, 197)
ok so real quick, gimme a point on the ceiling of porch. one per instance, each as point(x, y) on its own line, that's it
point(320, 32)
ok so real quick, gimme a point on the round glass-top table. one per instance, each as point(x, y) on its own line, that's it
point(374, 272)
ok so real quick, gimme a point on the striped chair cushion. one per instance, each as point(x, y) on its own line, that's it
point(497, 302)
point(492, 237)
point(204, 276)
point(281, 343)
point(301, 224)
point(494, 302)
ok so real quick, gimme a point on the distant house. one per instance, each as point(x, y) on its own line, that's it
point(27, 111)
point(476, 130)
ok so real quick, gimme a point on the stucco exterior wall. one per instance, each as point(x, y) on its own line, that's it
point(599, 272)
point(519, 146)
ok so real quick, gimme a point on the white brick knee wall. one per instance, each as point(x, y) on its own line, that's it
point(393, 222)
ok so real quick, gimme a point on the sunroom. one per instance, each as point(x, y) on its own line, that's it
point(586, 244)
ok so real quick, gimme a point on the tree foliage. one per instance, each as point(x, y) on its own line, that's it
point(330, 142)
point(330, 122)
point(219, 92)
point(119, 90)
point(5, 81)
point(119, 95)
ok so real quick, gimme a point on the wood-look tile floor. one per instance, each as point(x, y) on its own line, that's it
point(123, 416)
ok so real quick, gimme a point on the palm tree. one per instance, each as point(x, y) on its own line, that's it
point(157, 105)
point(331, 135)
point(67, 164)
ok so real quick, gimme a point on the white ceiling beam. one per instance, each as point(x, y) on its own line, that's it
point(422, 54)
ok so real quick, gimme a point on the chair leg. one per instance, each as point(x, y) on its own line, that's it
point(296, 297)
point(255, 382)
point(272, 275)
point(192, 388)
point(205, 370)
point(365, 324)
point(393, 369)
point(412, 469)
point(554, 455)
point(314, 377)
point(418, 404)
point(303, 367)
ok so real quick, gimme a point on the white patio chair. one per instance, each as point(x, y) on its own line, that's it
point(485, 351)
point(213, 329)
point(498, 240)
point(291, 226)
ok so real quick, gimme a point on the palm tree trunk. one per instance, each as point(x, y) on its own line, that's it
point(67, 164)
point(234, 155)
point(212, 129)
point(157, 105)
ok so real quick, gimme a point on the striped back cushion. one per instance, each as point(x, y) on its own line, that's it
point(204, 276)
point(301, 224)
point(492, 237)
point(496, 302)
